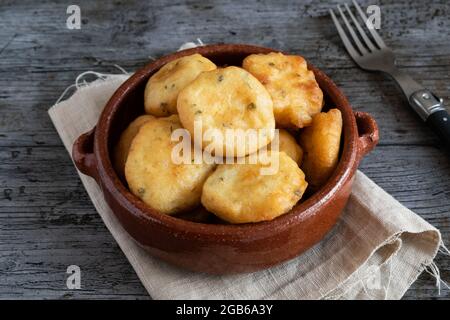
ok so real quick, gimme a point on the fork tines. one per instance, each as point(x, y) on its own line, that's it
point(369, 45)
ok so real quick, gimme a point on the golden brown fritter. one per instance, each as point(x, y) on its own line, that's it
point(294, 90)
point(227, 98)
point(287, 144)
point(321, 143)
point(161, 92)
point(123, 146)
point(154, 177)
point(239, 193)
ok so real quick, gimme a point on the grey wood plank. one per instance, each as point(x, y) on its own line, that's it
point(46, 219)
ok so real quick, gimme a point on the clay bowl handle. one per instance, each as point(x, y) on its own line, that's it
point(367, 133)
point(83, 154)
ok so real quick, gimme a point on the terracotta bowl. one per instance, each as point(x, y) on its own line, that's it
point(221, 248)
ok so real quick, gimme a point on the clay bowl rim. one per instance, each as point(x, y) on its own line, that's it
point(234, 232)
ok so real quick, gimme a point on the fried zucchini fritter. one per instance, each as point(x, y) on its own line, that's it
point(321, 143)
point(123, 146)
point(153, 176)
point(294, 90)
point(238, 193)
point(227, 98)
point(288, 145)
point(161, 92)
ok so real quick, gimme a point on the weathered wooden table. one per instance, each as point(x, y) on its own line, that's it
point(46, 219)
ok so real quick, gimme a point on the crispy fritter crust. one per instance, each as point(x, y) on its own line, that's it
point(152, 174)
point(238, 193)
point(321, 143)
point(289, 145)
point(161, 92)
point(227, 98)
point(123, 146)
point(294, 90)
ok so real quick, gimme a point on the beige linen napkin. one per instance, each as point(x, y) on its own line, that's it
point(376, 251)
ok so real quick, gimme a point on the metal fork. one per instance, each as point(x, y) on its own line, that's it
point(374, 55)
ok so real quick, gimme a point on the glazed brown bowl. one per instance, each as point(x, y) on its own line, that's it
point(221, 248)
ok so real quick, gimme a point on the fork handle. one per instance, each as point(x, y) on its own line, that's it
point(432, 111)
point(439, 121)
point(425, 103)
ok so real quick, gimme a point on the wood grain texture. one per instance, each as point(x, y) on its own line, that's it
point(46, 219)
